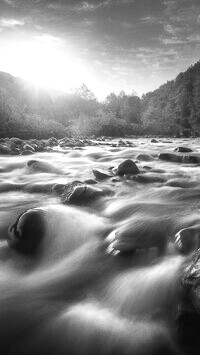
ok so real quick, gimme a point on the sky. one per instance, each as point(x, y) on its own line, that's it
point(110, 45)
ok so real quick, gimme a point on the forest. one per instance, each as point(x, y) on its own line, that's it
point(172, 110)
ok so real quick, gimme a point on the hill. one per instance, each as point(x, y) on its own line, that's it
point(175, 106)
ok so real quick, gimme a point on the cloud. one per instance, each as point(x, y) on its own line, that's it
point(10, 2)
point(11, 22)
point(48, 39)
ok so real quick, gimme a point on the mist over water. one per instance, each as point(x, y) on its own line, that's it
point(84, 292)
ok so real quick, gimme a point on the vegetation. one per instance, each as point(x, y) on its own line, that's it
point(173, 109)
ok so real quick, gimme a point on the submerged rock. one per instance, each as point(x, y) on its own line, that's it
point(26, 233)
point(127, 167)
point(101, 174)
point(42, 166)
point(144, 157)
point(138, 233)
point(78, 192)
point(187, 239)
point(170, 157)
point(190, 159)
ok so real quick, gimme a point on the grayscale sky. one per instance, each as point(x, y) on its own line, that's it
point(110, 45)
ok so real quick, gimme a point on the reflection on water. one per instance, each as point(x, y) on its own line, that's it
point(73, 296)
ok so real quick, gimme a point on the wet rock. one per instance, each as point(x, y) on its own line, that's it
point(26, 152)
point(27, 232)
point(191, 280)
point(28, 147)
point(116, 179)
point(148, 178)
point(90, 181)
point(188, 325)
point(138, 233)
point(144, 157)
point(17, 141)
point(52, 142)
point(170, 157)
point(4, 149)
point(127, 167)
point(154, 140)
point(183, 150)
point(101, 174)
point(190, 159)
point(58, 188)
point(187, 239)
point(42, 166)
point(79, 192)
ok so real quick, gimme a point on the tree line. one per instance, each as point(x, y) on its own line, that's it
point(173, 110)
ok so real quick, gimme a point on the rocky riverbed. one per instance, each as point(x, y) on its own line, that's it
point(99, 246)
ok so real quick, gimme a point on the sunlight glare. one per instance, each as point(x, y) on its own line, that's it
point(43, 63)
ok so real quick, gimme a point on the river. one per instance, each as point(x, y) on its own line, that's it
point(86, 291)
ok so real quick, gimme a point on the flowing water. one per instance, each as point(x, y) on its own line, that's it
point(79, 294)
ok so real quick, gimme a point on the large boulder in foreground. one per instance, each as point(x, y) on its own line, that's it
point(27, 232)
point(78, 192)
point(191, 280)
point(127, 167)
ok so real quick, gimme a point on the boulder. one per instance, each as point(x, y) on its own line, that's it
point(127, 167)
point(26, 233)
point(79, 192)
point(191, 280)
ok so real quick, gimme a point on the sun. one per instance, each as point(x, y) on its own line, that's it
point(44, 62)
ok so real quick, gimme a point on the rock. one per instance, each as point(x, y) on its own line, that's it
point(101, 174)
point(28, 147)
point(4, 149)
point(58, 188)
point(17, 141)
point(183, 150)
point(190, 159)
point(79, 192)
point(138, 233)
point(170, 157)
point(154, 140)
point(144, 157)
point(127, 167)
point(26, 233)
point(188, 325)
point(52, 142)
point(187, 239)
point(191, 280)
point(42, 166)
point(148, 178)
point(90, 181)
point(26, 152)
